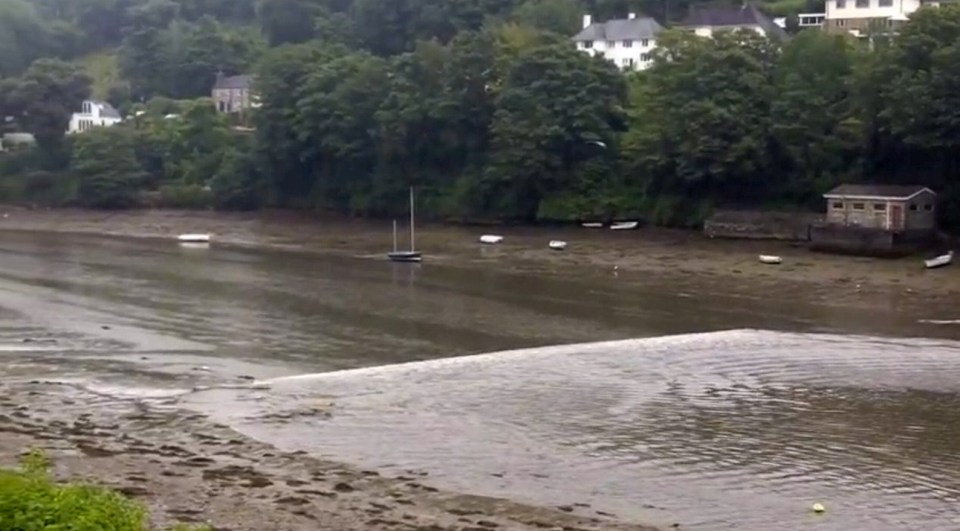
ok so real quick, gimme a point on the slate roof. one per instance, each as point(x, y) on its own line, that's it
point(234, 82)
point(732, 16)
point(892, 191)
point(106, 110)
point(620, 29)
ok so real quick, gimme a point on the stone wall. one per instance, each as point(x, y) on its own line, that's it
point(761, 225)
point(868, 242)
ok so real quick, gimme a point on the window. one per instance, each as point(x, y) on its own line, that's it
point(858, 206)
point(644, 42)
point(841, 23)
point(861, 4)
point(644, 57)
point(880, 207)
point(886, 3)
point(928, 207)
point(587, 44)
point(841, 4)
point(630, 62)
point(913, 208)
point(628, 43)
point(611, 44)
point(837, 205)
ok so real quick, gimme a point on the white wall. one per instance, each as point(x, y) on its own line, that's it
point(707, 31)
point(873, 8)
point(620, 54)
point(89, 118)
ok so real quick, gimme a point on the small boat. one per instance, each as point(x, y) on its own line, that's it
point(491, 239)
point(194, 238)
point(558, 245)
point(405, 256)
point(625, 225)
point(770, 259)
point(940, 261)
point(592, 225)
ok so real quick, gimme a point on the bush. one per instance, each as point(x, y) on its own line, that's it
point(31, 501)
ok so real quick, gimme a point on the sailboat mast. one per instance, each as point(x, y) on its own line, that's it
point(394, 235)
point(412, 246)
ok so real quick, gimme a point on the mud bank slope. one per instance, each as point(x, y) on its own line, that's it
point(187, 470)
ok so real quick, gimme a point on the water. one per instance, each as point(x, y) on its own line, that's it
point(659, 408)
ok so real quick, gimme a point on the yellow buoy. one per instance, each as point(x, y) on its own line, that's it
point(818, 508)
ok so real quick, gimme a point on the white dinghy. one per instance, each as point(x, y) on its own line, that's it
point(194, 238)
point(770, 259)
point(490, 239)
point(558, 245)
point(940, 261)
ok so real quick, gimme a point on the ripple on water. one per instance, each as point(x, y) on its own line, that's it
point(737, 429)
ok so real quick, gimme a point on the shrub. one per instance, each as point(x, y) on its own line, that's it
point(31, 501)
point(186, 196)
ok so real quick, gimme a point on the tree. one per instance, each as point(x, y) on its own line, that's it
point(106, 165)
point(45, 97)
point(559, 16)
point(702, 126)
point(813, 116)
point(23, 36)
point(554, 103)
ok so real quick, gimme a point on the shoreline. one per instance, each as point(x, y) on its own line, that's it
point(674, 256)
point(188, 470)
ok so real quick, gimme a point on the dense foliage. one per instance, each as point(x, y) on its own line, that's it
point(484, 105)
point(31, 501)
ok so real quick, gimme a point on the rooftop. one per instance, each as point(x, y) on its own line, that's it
point(732, 16)
point(620, 29)
point(890, 191)
point(243, 81)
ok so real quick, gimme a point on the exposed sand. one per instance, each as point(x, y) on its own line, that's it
point(187, 470)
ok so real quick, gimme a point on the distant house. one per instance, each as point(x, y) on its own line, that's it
point(627, 42)
point(234, 93)
point(877, 219)
point(860, 17)
point(93, 113)
point(705, 21)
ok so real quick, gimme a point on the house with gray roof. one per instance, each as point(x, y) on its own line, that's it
point(93, 113)
point(233, 93)
point(628, 42)
point(704, 21)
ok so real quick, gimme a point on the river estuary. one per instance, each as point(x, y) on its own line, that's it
point(653, 403)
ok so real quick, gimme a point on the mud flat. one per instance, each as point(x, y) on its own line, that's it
point(187, 470)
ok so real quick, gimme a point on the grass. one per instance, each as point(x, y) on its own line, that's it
point(104, 69)
point(30, 500)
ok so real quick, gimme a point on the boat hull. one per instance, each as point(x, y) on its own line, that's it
point(405, 256)
point(194, 238)
point(625, 225)
point(939, 261)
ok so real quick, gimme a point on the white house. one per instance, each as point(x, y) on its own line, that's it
point(93, 113)
point(626, 41)
point(706, 21)
point(859, 16)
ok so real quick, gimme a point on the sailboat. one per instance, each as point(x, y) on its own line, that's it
point(405, 256)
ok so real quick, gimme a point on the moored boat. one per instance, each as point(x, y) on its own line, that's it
point(406, 256)
point(624, 225)
point(770, 259)
point(557, 245)
point(940, 261)
point(194, 238)
point(491, 239)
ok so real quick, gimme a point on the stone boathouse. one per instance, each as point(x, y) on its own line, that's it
point(885, 220)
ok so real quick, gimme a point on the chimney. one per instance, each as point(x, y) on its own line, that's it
point(632, 16)
point(587, 20)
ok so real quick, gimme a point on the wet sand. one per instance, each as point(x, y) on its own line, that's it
point(189, 471)
point(681, 258)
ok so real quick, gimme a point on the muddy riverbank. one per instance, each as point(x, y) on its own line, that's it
point(189, 471)
point(684, 259)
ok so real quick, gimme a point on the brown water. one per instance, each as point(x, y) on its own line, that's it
point(748, 412)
